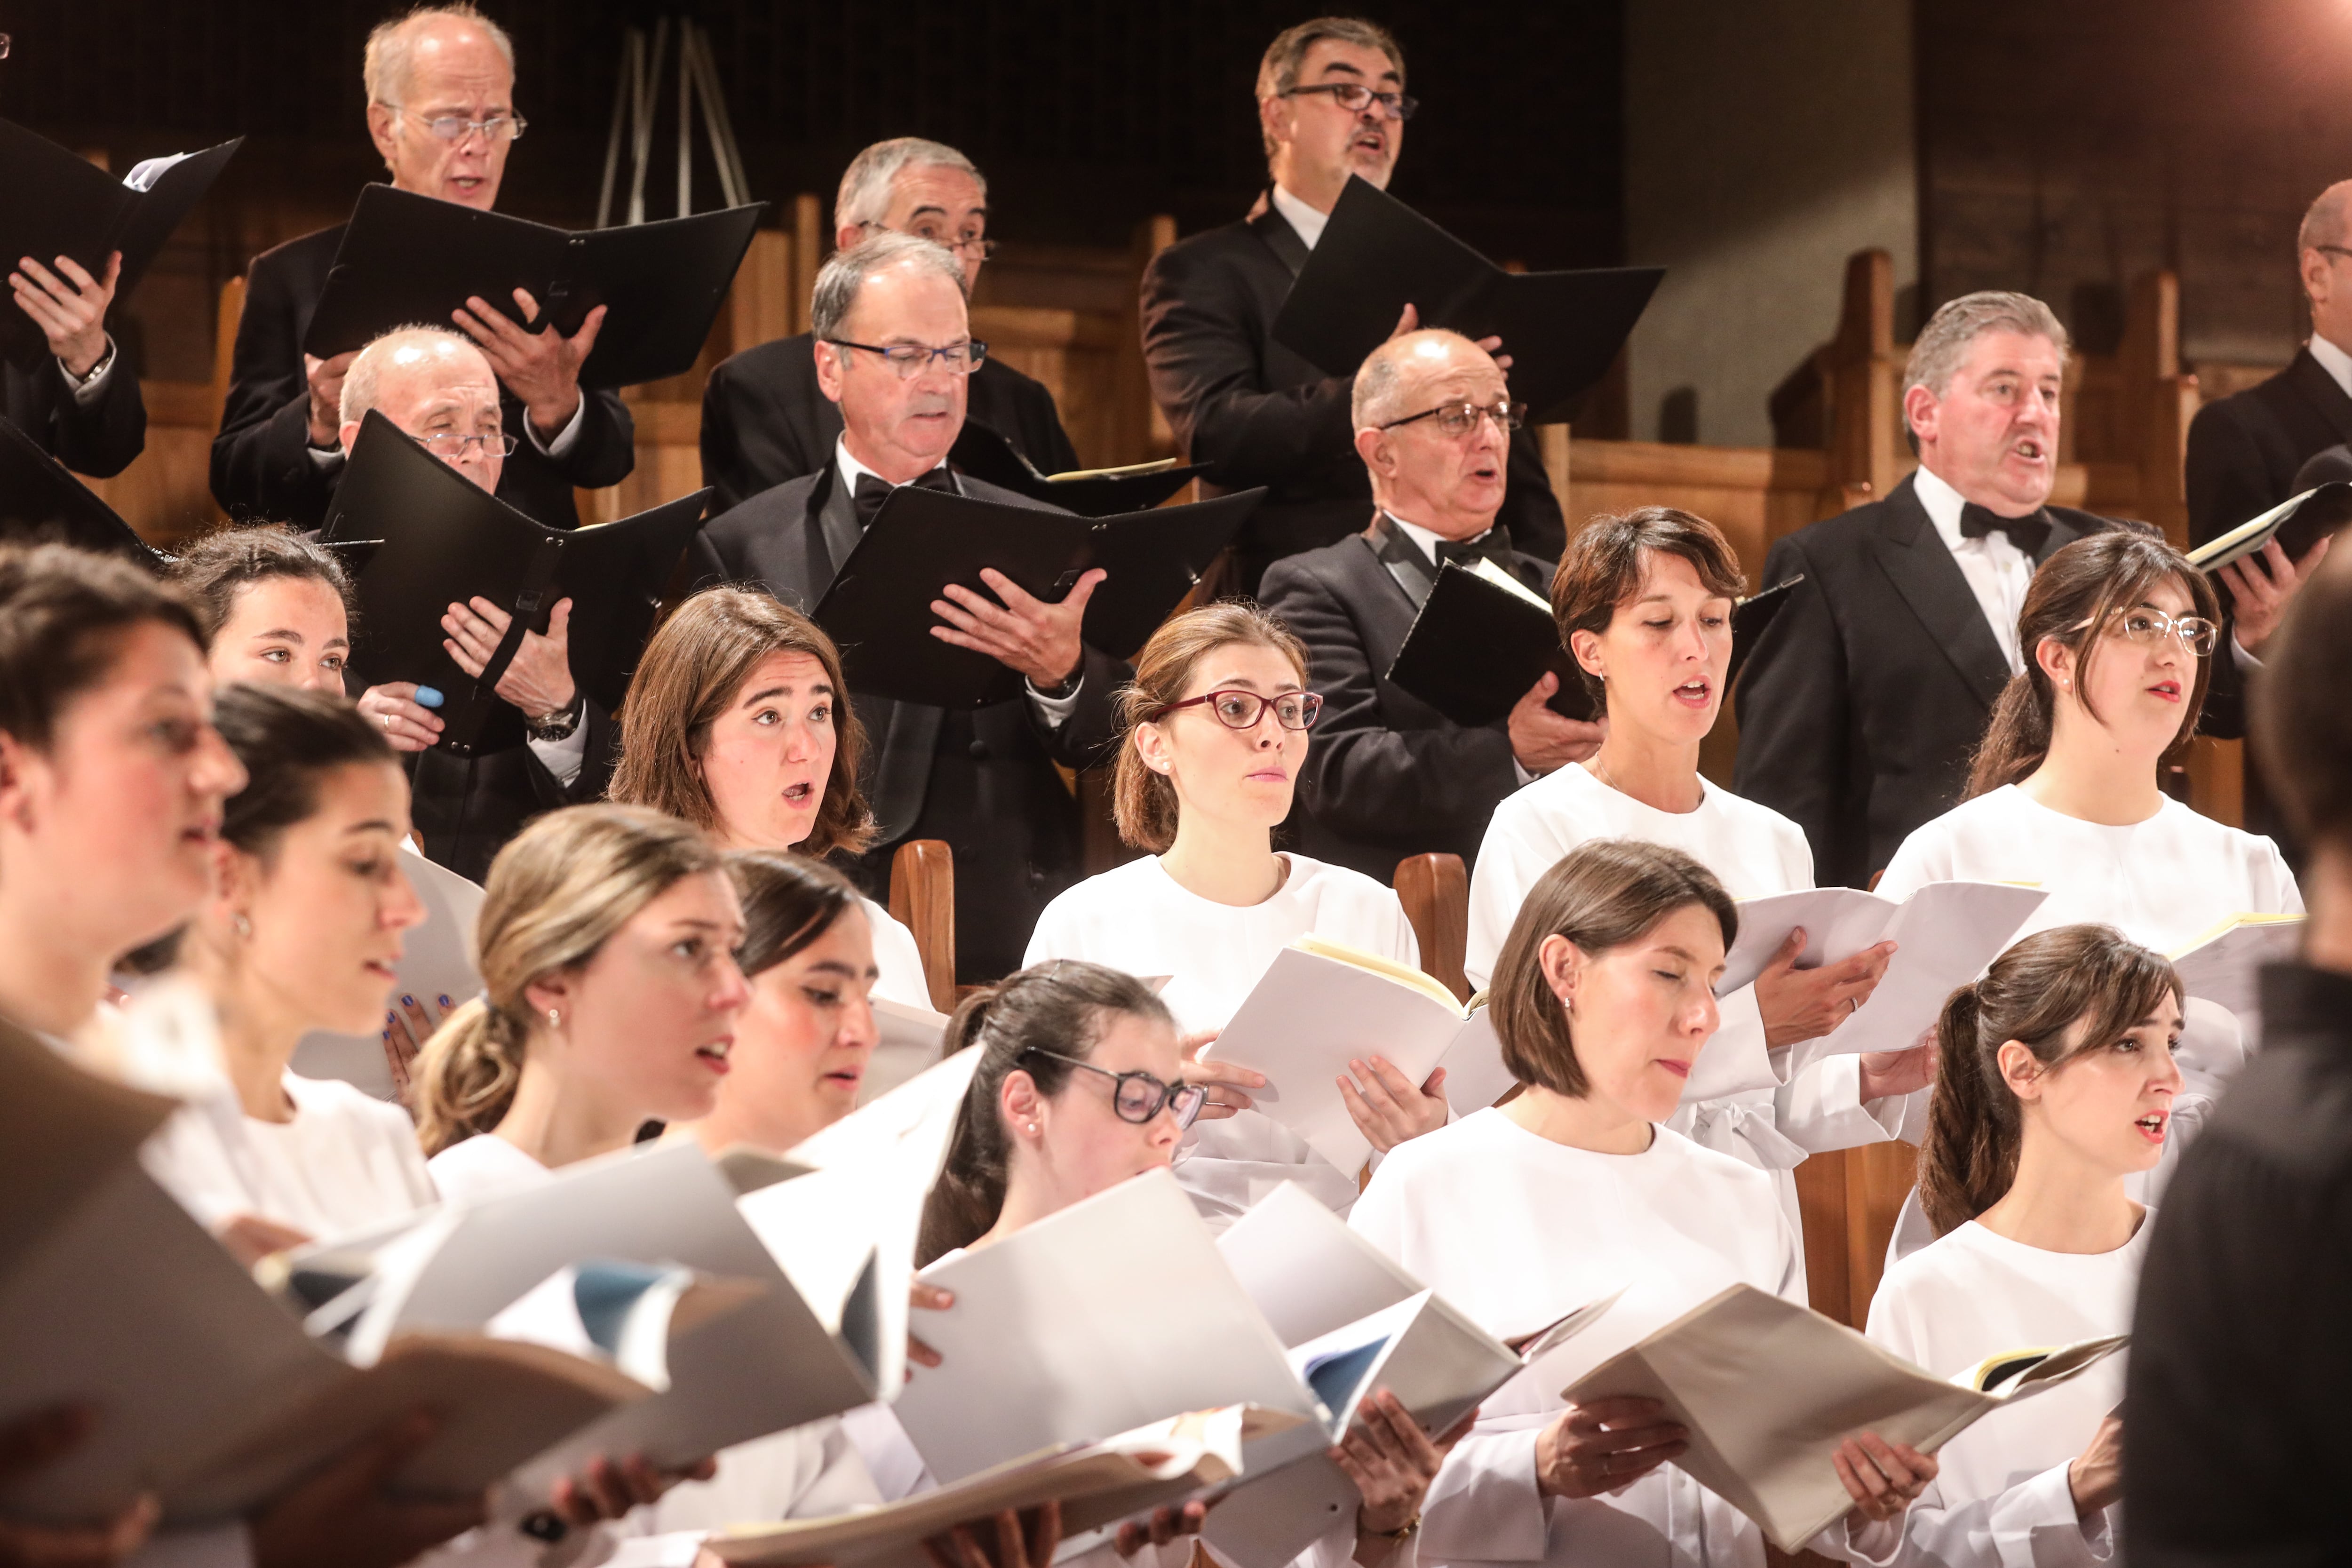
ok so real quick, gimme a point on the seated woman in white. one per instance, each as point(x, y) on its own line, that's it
point(1517, 1213)
point(1080, 1087)
point(742, 725)
point(1217, 723)
point(1643, 602)
point(2056, 1085)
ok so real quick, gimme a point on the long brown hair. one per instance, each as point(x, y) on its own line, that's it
point(2058, 992)
point(1144, 802)
point(691, 673)
point(2075, 596)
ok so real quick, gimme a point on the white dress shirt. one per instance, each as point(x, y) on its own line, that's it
point(1998, 571)
point(1300, 216)
point(2334, 360)
point(85, 388)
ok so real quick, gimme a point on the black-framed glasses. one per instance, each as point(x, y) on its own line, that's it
point(1138, 1097)
point(2329, 250)
point(2148, 628)
point(450, 447)
point(1461, 418)
point(1238, 710)
point(1355, 98)
point(965, 245)
point(910, 360)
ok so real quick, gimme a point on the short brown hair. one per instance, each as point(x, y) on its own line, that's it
point(1607, 562)
point(63, 612)
point(1278, 72)
point(691, 670)
point(2302, 732)
point(1144, 802)
point(1601, 894)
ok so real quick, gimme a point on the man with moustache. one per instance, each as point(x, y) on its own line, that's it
point(894, 351)
point(1331, 103)
point(440, 86)
point(1388, 776)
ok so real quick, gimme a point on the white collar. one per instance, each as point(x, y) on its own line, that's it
point(1942, 502)
point(850, 468)
point(2334, 360)
point(1300, 216)
point(1427, 539)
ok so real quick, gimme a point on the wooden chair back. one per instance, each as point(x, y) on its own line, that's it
point(922, 899)
point(1436, 892)
point(225, 320)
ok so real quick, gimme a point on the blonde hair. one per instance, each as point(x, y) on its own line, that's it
point(1144, 802)
point(556, 894)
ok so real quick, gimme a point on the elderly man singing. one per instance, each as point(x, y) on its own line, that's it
point(894, 350)
point(1391, 777)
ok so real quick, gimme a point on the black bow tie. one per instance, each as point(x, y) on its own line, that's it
point(2029, 532)
point(873, 490)
point(1493, 545)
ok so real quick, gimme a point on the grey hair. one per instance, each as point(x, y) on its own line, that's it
point(364, 383)
point(1944, 342)
point(1379, 381)
point(392, 45)
point(864, 194)
point(846, 271)
point(2322, 221)
point(1278, 73)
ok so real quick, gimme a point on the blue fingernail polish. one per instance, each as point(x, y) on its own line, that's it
point(444, 1001)
point(408, 1001)
point(428, 697)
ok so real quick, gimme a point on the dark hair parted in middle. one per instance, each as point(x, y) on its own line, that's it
point(64, 614)
point(223, 564)
point(1065, 1006)
point(789, 901)
point(1601, 894)
point(289, 741)
point(1606, 563)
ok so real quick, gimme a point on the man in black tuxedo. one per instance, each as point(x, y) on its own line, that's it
point(82, 404)
point(1388, 776)
point(1331, 103)
point(763, 418)
point(894, 346)
point(440, 87)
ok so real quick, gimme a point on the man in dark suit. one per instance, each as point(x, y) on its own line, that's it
point(763, 419)
point(82, 404)
point(1331, 103)
point(893, 352)
point(440, 90)
point(1388, 776)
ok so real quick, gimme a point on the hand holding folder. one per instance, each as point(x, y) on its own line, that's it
point(2296, 523)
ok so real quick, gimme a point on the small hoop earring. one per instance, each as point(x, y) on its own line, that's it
point(244, 926)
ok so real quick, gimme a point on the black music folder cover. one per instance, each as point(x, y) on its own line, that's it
point(1090, 492)
point(41, 502)
point(879, 606)
point(407, 259)
point(58, 202)
point(2297, 524)
point(445, 539)
point(1377, 255)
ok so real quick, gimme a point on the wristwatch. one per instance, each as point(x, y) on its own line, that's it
point(558, 725)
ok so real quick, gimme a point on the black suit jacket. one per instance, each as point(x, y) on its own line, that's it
point(262, 469)
point(984, 780)
point(1864, 699)
point(1259, 413)
point(465, 810)
point(1386, 775)
point(99, 441)
point(764, 421)
point(2244, 449)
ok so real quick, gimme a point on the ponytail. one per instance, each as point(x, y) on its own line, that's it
point(465, 1076)
point(1970, 1156)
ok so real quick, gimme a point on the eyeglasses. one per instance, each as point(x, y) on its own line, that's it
point(910, 360)
point(967, 245)
point(2330, 249)
point(1238, 710)
point(1355, 98)
point(1461, 418)
point(1138, 1097)
point(2150, 628)
point(456, 127)
point(450, 444)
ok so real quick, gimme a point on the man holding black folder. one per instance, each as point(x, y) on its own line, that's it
point(763, 418)
point(440, 86)
point(895, 351)
point(82, 405)
point(1389, 776)
point(1331, 103)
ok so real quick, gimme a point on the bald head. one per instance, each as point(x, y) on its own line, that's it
point(448, 63)
point(1451, 484)
point(2326, 270)
point(435, 384)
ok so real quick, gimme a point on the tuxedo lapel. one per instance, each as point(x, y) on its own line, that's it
point(1401, 560)
point(1912, 555)
point(2316, 387)
point(1281, 238)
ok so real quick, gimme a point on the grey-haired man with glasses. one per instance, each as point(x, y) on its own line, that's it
point(440, 87)
point(1331, 103)
point(1389, 776)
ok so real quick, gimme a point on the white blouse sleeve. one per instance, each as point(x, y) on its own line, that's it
point(1821, 1107)
point(1507, 868)
point(2031, 1525)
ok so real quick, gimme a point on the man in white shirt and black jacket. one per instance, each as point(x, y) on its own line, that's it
point(984, 780)
point(82, 404)
point(1388, 776)
point(1331, 103)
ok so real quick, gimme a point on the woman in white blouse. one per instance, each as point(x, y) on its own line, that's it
point(1520, 1212)
point(741, 724)
point(2056, 1085)
point(1643, 603)
point(1216, 728)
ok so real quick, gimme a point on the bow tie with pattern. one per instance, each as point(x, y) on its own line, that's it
point(2029, 532)
point(873, 490)
point(1495, 545)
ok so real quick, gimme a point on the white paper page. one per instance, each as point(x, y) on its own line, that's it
point(436, 960)
point(1476, 1077)
point(1306, 1020)
point(911, 1043)
point(1114, 1313)
point(2227, 970)
point(1306, 1271)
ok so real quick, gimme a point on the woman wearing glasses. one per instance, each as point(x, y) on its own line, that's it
point(1216, 730)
